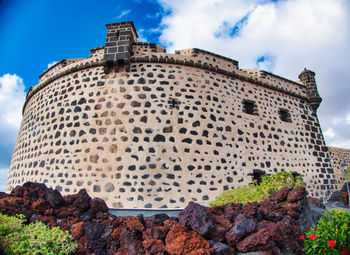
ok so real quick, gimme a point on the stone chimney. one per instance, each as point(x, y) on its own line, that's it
point(118, 48)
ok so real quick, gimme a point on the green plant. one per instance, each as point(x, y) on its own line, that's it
point(35, 238)
point(242, 194)
point(274, 182)
point(329, 235)
point(255, 192)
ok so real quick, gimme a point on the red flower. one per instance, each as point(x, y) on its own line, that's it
point(312, 237)
point(331, 243)
point(301, 237)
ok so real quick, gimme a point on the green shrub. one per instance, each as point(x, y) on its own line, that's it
point(35, 238)
point(274, 182)
point(242, 194)
point(257, 193)
point(333, 230)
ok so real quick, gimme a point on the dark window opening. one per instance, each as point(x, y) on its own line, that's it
point(285, 115)
point(297, 175)
point(249, 107)
point(257, 176)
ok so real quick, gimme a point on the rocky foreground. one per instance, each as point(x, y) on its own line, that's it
point(274, 225)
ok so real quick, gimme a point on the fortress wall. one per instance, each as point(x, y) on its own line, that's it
point(224, 67)
point(163, 134)
point(147, 48)
point(339, 156)
point(278, 82)
point(97, 53)
point(57, 68)
point(209, 58)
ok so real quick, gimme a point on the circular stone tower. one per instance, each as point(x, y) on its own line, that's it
point(141, 128)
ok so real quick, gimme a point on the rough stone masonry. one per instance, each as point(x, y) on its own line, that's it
point(142, 128)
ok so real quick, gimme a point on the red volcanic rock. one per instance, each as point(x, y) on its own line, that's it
point(129, 234)
point(81, 250)
point(221, 223)
point(282, 194)
point(132, 223)
point(77, 230)
point(17, 191)
point(315, 202)
point(63, 224)
point(49, 220)
point(149, 223)
point(154, 246)
point(98, 205)
point(276, 234)
point(297, 193)
point(156, 232)
point(232, 210)
point(40, 206)
point(64, 212)
point(130, 242)
point(72, 220)
point(14, 205)
point(181, 240)
point(3, 195)
point(221, 226)
point(129, 222)
point(272, 225)
point(271, 210)
point(195, 216)
point(242, 227)
point(81, 200)
point(259, 241)
point(92, 230)
point(54, 198)
point(250, 209)
point(33, 191)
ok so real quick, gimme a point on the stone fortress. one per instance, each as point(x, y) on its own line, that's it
point(142, 128)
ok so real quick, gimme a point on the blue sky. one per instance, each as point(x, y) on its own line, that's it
point(281, 36)
point(35, 32)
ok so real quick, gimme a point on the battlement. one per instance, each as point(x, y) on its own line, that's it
point(278, 81)
point(153, 53)
point(143, 48)
point(56, 68)
point(210, 57)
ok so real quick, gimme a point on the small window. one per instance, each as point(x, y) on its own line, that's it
point(285, 115)
point(249, 107)
point(257, 176)
point(174, 103)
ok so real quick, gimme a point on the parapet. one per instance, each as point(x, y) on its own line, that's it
point(143, 48)
point(207, 56)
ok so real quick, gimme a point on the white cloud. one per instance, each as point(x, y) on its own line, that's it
point(51, 64)
point(142, 37)
point(329, 133)
point(282, 37)
point(122, 14)
point(3, 178)
point(144, 34)
point(12, 97)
